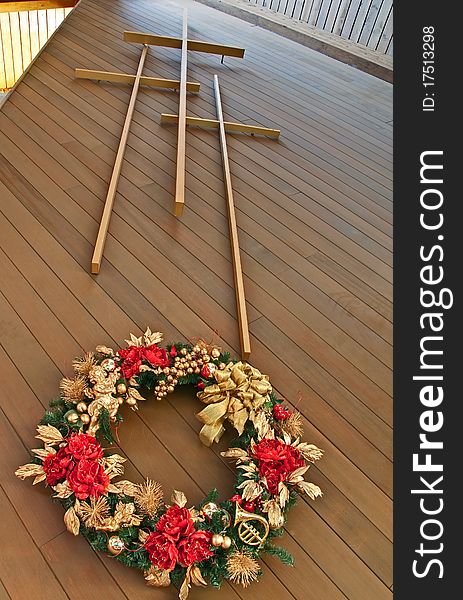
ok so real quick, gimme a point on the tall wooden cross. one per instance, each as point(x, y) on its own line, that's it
point(224, 126)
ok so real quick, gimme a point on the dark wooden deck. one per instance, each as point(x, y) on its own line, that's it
point(315, 219)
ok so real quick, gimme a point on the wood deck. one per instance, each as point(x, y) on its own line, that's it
point(314, 212)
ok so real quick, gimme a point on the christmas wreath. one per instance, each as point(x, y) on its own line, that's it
point(169, 542)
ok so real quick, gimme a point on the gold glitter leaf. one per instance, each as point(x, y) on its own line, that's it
point(127, 488)
point(113, 465)
point(135, 393)
point(71, 520)
point(283, 494)
point(178, 498)
point(309, 451)
point(297, 474)
point(251, 490)
point(151, 338)
point(274, 514)
point(310, 489)
point(157, 577)
point(39, 478)
point(196, 576)
point(235, 454)
point(42, 453)
point(29, 470)
point(49, 434)
point(62, 490)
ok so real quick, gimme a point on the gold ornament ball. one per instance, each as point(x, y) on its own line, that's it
point(197, 370)
point(170, 378)
point(157, 388)
point(85, 419)
point(170, 389)
point(217, 539)
point(215, 353)
point(73, 418)
point(189, 370)
point(183, 351)
point(226, 542)
point(206, 358)
point(188, 356)
point(196, 349)
point(121, 388)
point(193, 364)
point(120, 399)
point(203, 351)
point(167, 371)
point(81, 407)
point(180, 373)
point(131, 401)
point(115, 545)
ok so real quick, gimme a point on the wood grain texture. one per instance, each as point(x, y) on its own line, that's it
point(314, 217)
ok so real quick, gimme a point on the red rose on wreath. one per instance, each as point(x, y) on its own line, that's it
point(133, 355)
point(176, 523)
point(276, 462)
point(81, 445)
point(194, 548)
point(88, 478)
point(161, 550)
point(57, 466)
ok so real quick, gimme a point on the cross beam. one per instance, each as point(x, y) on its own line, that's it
point(127, 78)
point(224, 127)
point(184, 44)
point(229, 125)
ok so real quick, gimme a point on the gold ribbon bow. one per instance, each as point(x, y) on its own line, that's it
point(240, 391)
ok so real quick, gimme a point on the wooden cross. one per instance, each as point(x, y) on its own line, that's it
point(184, 44)
point(136, 80)
point(224, 126)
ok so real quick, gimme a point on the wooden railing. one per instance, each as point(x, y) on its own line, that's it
point(23, 31)
point(367, 22)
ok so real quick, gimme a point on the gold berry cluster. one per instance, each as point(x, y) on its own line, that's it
point(186, 362)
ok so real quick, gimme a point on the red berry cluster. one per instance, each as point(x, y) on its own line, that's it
point(280, 413)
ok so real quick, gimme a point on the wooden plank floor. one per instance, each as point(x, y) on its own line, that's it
point(314, 212)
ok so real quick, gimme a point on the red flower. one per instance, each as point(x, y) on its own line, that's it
point(156, 356)
point(276, 462)
point(81, 445)
point(175, 523)
point(88, 478)
point(57, 466)
point(173, 351)
point(133, 355)
point(161, 550)
point(194, 548)
point(201, 385)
